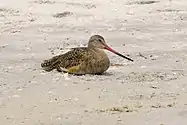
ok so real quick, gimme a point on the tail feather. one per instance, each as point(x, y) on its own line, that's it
point(49, 65)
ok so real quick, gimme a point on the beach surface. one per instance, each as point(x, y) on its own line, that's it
point(152, 90)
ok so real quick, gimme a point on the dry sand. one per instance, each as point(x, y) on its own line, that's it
point(150, 91)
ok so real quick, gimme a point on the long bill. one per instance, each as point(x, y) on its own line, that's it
point(117, 53)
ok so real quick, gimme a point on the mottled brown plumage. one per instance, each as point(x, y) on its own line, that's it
point(83, 60)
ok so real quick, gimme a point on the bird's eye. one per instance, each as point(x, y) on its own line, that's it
point(100, 40)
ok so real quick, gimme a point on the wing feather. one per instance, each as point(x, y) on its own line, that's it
point(73, 58)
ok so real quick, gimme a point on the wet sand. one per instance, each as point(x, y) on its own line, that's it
point(150, 91)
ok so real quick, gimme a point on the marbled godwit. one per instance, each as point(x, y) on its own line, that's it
point(83, 60)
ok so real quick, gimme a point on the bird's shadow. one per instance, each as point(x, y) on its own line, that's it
point(96, 74)
point(106, 74)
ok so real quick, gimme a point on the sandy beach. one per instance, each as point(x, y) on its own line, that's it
point(152, 90)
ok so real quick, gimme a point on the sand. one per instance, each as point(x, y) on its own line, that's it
point(150, 91)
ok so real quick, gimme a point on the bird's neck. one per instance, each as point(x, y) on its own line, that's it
point(90, 46)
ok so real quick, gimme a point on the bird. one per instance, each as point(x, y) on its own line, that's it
point(91, 59)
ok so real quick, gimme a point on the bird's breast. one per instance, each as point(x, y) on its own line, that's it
point(99, 62)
